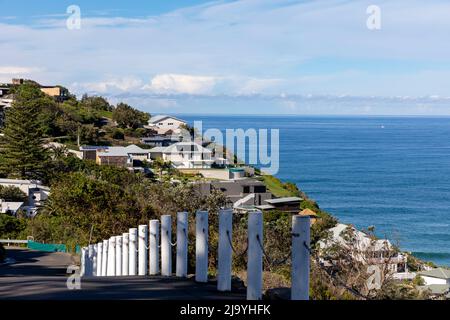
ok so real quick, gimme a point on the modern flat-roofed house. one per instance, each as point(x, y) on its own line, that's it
point(286, 204)
point(164, 123)
point(241, 192)
point(59, 93)
point(184, 155)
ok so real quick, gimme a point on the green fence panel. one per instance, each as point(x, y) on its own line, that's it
point(47, 247)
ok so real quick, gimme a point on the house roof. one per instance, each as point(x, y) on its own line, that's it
point(157, 149)
point(437, 289)
point(265, 207)
point(307, 212)
point(122, 151)
point(161, 137)
point(86, 148)
point(283, 200)
point(17, 181)
point(132, 148)
point(158, 118)
point(440, 273)
point(12, 206)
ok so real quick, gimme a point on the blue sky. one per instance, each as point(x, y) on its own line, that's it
point(251, 56)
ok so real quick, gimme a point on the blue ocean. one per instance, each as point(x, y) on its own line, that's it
point(389, 172)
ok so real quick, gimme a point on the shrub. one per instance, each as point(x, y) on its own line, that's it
point(11, 227)
point(10, 193)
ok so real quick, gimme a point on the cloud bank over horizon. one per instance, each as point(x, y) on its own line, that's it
point(253, 56)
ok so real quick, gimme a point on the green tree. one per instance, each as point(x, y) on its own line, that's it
point(95, 102)
point(128, 117)
point(10, 193)
point(22, 151)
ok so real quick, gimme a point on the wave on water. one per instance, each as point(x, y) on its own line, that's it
point(433, 256)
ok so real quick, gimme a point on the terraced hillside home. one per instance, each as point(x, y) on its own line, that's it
point(164, 123)
point(187, 155)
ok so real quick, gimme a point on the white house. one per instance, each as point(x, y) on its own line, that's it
point(164, 123)
point(436, 276)
point(36, 192)
point(184, 155)
point(371, 251)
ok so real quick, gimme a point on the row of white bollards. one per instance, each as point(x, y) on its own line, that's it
point(148, 250)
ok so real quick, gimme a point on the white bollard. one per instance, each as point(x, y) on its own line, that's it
point(89, 261)
point(98, 271)
point(143, 249)
point(300, 257)
point(225, 250)
point(154, 247)
point(94, 260)
point(105, 258)
point(201, 246)
point(111, 271)
point(125, 254)
point(182, 244)
point(166, 247)
point(118, 255)
point(255, 256)
point(83, 261)
point(132, 250)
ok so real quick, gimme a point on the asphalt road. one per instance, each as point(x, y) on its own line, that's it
point(43, 276)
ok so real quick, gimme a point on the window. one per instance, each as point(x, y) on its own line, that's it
point(260, 189)
point(246, 189)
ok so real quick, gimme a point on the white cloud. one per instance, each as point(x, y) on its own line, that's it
point(181, 83)
point(111, 85)
point(16, 70)
point(245, 48)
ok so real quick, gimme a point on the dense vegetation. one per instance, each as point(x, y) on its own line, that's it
point(90, 120)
